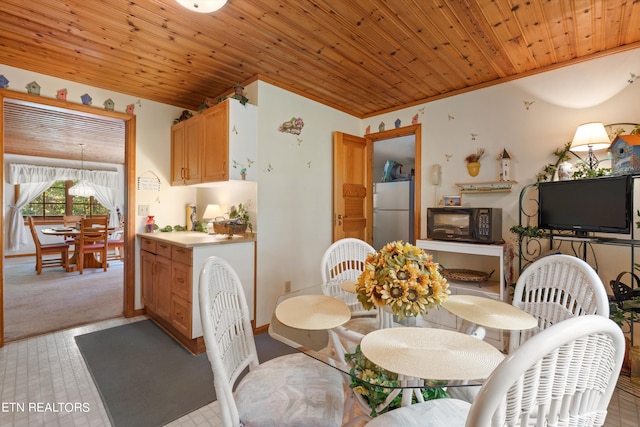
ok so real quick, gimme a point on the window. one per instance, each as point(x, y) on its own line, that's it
point(55, 202)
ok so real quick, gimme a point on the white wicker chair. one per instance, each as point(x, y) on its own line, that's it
point(556, 288)
point(563, 376)
point(291, 390)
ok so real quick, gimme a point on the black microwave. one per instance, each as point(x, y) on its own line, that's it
point(478, 225)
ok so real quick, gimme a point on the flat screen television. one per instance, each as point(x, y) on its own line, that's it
point(587, 205)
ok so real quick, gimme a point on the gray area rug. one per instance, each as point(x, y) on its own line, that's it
point(145, 378)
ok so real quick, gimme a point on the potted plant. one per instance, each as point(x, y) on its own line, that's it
point(473, 162)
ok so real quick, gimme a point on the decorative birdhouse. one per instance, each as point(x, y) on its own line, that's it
point(130, 108)
point(397, 123)
point(109, 104)
point(625, 155)
point(4, 83)
point(33, 88)
point(61, 94)
point(505, 159)
point(86, 99)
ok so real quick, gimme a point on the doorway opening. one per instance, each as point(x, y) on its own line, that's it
point(88, 113)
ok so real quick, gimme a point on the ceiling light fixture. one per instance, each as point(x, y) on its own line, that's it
point(202, 6)
point(82, 189)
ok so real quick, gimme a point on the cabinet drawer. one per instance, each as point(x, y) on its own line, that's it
point(148, 245)
point(182, 255)
point(181, 280)
point(163, 249)
point(181, 315)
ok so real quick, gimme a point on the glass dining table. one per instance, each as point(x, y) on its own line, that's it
point(404, 364)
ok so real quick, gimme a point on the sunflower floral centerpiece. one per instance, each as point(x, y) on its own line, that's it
point(404, 278)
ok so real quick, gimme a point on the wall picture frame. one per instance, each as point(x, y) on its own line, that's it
point(452, 200)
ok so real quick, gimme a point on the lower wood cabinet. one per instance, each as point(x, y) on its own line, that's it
point(169, 284)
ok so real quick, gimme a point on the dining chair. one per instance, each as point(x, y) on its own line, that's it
point(43, 250)
point(71, 220)
point(344, 260)
point(552, 289)
point(290, 390)
point(555, 288)
point(115, 245)
point(92, 241)
point(565, 375)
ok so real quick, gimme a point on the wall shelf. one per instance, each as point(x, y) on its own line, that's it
point(486, 187)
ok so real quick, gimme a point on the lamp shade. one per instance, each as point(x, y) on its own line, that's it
point(202, 6)
point(590, 135)
point(212, 212)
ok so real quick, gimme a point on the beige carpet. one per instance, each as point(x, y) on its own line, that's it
point(56, 300)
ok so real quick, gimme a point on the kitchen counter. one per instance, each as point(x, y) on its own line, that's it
point(191, 239)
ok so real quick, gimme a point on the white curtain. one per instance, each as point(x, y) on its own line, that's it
point(34, 180)
point(17, 232)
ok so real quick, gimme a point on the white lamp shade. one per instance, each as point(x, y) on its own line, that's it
point(212, 212)
point(202, 6)
point(590, 135)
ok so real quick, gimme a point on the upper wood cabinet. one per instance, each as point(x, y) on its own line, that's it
point(218, 145)
point(186, 138)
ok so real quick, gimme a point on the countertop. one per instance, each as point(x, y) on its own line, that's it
point(191, 239)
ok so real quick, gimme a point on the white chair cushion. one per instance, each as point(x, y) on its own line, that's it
point(290, 390)
point(432, 413)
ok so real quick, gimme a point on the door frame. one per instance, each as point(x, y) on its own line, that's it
point(416, 131)
point(129, 172)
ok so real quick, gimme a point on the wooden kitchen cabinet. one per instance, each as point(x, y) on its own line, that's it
point(170, 270)
point(220, 144)
point(186, 138)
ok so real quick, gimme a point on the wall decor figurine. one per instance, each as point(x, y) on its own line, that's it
point(33, 88)
point(109, 104)
point(473, 162)
point(381, 127)
point(367, 131)
point(505, 160)
point(293, 126)
point(130, 109)
point(86, 99)
point(397, 123)
point(414, 120)
point(4, 83)
point(61, 94)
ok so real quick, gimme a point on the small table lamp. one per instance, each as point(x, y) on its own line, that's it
point(211, 212)
point(589, 137)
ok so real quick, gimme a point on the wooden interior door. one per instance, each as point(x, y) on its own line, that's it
point(352, 187)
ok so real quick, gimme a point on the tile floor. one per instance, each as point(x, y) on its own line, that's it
point(44, 382)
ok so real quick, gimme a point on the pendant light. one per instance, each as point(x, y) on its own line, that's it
point(82, 189)
point(202, 6)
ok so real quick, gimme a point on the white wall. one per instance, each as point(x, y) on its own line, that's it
point(294, 192)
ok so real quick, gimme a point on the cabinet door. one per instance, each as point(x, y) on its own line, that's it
point(147, 262)
point(215, 143)
point(177, 154)
point(163, 288)
point(192, 150)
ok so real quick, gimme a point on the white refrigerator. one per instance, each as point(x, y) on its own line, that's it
point(393, 215)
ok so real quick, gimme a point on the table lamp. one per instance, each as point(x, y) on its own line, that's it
point(211, 213)
point(589, 137)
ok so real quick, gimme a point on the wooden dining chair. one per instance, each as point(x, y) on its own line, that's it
point(92, 240)
point(115, 245)
point(564, 376)
point(290, 390)
point(42, 250)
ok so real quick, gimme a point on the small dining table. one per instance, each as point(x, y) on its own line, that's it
point(304, 320)
point(89, 261)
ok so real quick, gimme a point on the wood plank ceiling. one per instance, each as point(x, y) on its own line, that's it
point(359, 56)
